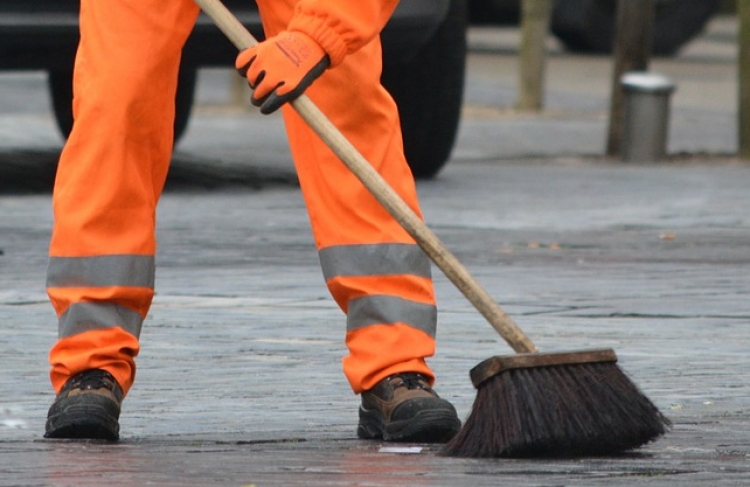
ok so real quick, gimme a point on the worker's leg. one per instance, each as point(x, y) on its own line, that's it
point(373, 268)
point(109, 179)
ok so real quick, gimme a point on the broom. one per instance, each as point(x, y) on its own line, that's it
point(555, 405)
point(530, 404)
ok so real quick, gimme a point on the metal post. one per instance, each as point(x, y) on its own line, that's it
point(535, 20)
point(743, 13)
point(632, 51)
point(646, 124)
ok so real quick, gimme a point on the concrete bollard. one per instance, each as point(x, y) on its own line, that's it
point(646, 126)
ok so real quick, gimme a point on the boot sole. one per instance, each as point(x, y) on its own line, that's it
point(435, 426)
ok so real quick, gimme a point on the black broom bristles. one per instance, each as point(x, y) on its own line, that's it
point(587, 409)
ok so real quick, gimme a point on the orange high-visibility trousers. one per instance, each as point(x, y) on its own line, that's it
point(113, 167)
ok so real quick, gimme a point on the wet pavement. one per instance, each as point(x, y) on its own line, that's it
point(239, 379)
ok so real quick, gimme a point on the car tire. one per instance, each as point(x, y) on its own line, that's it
point(588, 26)
point(428, 90)
point(60, 84)
point(494, 12)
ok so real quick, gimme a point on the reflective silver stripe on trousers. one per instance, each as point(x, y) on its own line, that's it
point(82, 317)
point(379, 310)
point(101, 271)
point(374, 260)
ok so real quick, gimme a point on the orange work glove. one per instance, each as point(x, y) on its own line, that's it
point(280, 68)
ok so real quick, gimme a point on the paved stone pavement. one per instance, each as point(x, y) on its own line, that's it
point(239, 379)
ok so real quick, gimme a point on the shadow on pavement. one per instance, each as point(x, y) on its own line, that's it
point(27, 171)
point(33, 172)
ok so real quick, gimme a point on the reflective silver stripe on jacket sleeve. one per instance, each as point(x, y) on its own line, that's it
point(101, 271)
point(82, 317)
point(378, 310)
point(374, 260)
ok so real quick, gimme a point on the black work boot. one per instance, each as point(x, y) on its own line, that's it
point(88, 407)
point(403, 407)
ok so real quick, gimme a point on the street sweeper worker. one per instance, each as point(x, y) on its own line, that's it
point(113, 167)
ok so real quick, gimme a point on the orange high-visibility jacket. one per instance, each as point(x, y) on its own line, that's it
point(113, 167)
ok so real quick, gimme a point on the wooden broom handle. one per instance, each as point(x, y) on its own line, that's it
point(382, 191)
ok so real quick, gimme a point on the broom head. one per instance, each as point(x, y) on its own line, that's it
point(555, 405)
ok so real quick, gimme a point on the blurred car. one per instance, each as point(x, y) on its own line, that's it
point(424, 51)
point(587, 26)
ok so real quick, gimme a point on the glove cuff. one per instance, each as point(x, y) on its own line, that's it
point(318, 29)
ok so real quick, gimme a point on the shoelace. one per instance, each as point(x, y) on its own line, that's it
point(411, 381)
point(95, 379)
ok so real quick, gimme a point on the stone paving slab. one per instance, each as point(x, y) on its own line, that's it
point(302, 459)
point(240, 383)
